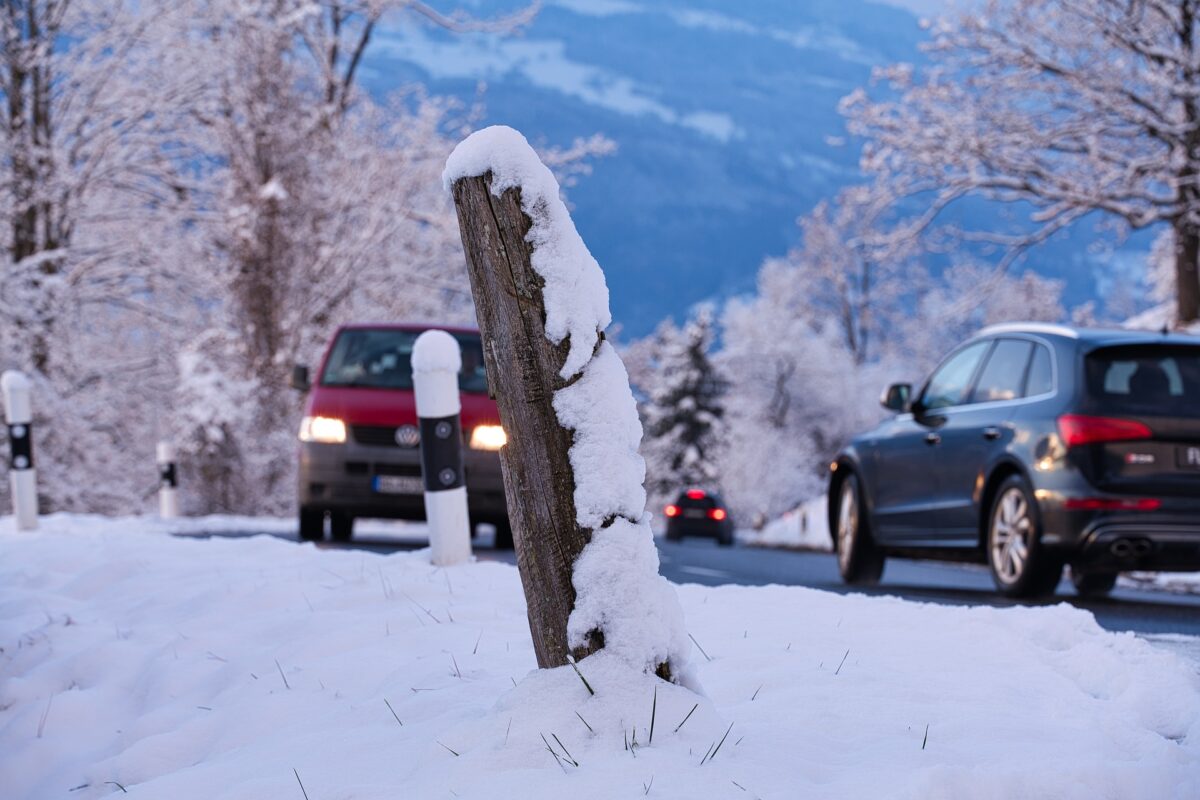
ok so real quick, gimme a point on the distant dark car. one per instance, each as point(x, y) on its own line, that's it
point(1031, 447)
point(699, 513)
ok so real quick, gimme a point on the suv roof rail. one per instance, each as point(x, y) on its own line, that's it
point(1031, 327)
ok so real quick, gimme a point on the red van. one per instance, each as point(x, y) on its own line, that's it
point(359, 442)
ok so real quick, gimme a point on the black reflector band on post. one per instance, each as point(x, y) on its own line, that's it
point(21, 441)
point(167, 477)
point(441, 453)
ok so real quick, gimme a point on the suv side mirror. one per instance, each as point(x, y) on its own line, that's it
point(299, 380)
point(897, 397)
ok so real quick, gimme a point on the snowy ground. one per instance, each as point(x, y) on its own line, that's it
point(225, 668)
point(805, 528)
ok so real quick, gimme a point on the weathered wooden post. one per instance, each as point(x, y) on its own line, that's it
point(572, 475)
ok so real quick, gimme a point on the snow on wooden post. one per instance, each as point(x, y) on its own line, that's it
point(168, 481)
point(572, 473)
point(18, 413)
point(436, 362)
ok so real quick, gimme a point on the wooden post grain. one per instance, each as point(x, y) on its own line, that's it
point(523, 375)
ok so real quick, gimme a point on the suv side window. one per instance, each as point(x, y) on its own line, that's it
point(952, 380)
point(1041, 372)
point(1003, 376)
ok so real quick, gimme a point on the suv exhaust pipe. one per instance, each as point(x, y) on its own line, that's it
point(1129, 549)
point(1122, 548)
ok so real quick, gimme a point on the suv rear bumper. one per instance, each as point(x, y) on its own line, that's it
point(341, 477)
point(1164, 540)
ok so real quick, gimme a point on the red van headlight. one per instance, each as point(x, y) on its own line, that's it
point(488, 437)
point(326, 430)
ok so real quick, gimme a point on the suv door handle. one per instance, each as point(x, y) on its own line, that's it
point(932, 439)
point(991, 433)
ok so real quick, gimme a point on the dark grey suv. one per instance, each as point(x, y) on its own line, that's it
point(1030, 447)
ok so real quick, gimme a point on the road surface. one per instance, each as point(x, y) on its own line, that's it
point(1149, 613)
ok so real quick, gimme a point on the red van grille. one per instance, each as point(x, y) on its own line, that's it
point(386, 436)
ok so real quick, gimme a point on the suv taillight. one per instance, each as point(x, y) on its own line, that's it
point(1078, 429)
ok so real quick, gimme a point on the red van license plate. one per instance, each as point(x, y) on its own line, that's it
point(1188, 457)
point(398, 484)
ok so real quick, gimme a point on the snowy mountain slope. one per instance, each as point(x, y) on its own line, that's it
point(725, 115)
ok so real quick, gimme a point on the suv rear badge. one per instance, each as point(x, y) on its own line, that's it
point(408, 436)
point(1139, 458)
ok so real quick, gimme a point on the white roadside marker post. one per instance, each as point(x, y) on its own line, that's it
point(168, 481)
point(18, 412)
point(436, 362)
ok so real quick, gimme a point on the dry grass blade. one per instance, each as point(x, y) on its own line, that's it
point(647, 786)
point(303, 791)
point(45, 715)
point(698, 647)
point(756, 691)
point(723, 738)
point(394, 714)
point(456, 753)
point(926, 739)
point(685, 719)
point(286, 685)
point(584, 721)
point(571, 661)
point(839, 669)
point(564, 749)
point(475, 651)
point(653, 714)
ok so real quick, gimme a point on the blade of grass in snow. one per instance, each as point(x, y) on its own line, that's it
point(452, 751)
point(584, 721)
point(281, 675)
point(698, 647)
point(475, 651)
point(653, 713)
point(564, 748)
point(723, 738)
point(685, 719)
point(302, 789)
point(394, 714)
point(756, 691)
point(571, 661)
point(839, 669)
point(926, 739)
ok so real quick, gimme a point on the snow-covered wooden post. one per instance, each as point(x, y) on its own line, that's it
point(572, 473)
point(168, 481)
point(436, 362)
point(18, 413)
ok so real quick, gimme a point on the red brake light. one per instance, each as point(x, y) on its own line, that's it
point(716, 513)
point(1077, 429)
point(671, 511)
point(695, 494)
point(1112, 504)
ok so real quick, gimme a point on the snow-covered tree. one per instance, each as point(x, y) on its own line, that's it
point(1067, 106)
point(685, 408)
point(94, 224)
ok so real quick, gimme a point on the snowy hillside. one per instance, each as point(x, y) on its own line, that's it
point(726, 119)
point(139, 664)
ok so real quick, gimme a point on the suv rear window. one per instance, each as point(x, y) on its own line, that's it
point(381, 358)
point(1160, 380)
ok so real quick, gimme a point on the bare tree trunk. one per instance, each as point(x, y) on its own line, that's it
point(523, 375)
point(1187, 280)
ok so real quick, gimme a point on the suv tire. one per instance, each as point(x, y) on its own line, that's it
point(1020, 566)
point(341, 526)
point(1092, 584)
point(860, 561)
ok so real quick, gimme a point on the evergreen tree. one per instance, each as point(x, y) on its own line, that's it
point(684, 410)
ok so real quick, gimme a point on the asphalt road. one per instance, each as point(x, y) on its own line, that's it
point(1149, 613)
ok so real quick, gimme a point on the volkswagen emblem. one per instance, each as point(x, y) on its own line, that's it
point(408, 436)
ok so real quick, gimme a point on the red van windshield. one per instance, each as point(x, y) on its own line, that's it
point(381, 358)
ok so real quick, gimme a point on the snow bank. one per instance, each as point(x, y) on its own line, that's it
point(211, 669)
point(436, 351)
point(805, 527)
point(617, 585)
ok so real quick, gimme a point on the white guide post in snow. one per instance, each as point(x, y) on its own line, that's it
point(436, 361)
point(18, 412)
point(168, 481)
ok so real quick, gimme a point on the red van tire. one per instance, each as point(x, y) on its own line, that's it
point(312, 524)
point(341, 526)
point(504, 534)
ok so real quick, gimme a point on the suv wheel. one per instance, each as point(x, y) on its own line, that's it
point(341, 526)
point(1092, 584)
point(1020, 566)
point(859, 560)
point(312, 524)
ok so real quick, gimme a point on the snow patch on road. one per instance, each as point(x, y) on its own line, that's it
point(805, 527)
